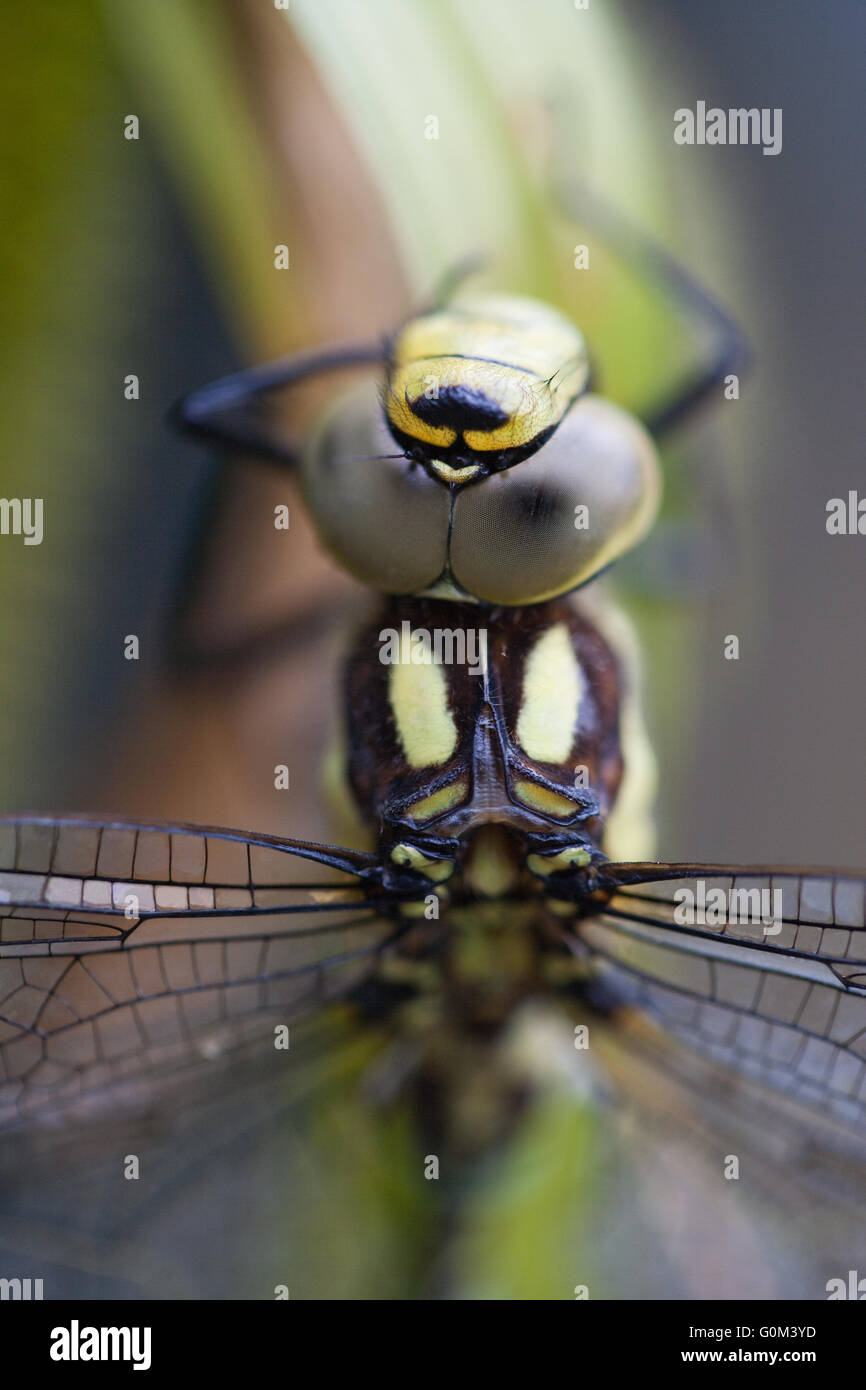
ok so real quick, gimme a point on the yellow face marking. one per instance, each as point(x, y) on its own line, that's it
point(552, 690)
point(403, 417)
point(529, 359)
point(542, 799)
point(438, 802)
point(454, 475)
point(530, 404)
point(410, 857)
point(418, 694)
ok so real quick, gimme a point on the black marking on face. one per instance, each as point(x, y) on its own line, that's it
point(460, 407)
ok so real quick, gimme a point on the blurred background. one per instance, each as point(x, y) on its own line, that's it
point(307, 127)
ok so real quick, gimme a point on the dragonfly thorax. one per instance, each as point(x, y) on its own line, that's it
point(484, 774)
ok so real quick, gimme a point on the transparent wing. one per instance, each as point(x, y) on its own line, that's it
point(131, 950)
point(774, 987)
point(797, 1212)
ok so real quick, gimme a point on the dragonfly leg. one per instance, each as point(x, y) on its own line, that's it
point(726, 352)
point(225, 412)
point(452, 279)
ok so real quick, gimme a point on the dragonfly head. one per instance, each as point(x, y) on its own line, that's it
point(483, 444)
point(477, 385)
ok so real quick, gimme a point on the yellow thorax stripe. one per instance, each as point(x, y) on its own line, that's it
point(552, 690)
point(437, 803)
point(418, 695)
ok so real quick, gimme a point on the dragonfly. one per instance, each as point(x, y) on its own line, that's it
point(128, 948)
point(118, 959)
point(153, 968)
point(488, 761)
point(485, 424)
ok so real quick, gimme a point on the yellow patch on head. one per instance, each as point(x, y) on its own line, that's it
point(528, 359)
point(454, 475)
point(520, 332)
point(403, 417)
point(552, 690)
point(530, 405)
point(419, 700)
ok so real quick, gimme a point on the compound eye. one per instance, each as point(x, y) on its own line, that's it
point(550, 523)
point(383, 519)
